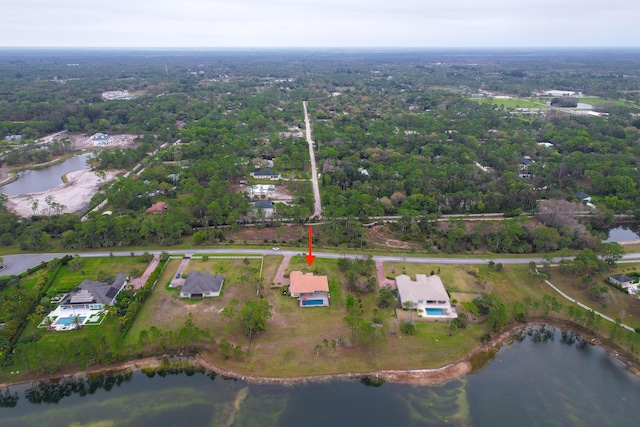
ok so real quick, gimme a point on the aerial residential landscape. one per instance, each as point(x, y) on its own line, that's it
point(369, 235)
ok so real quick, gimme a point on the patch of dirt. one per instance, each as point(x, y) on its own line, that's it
point(286, 233)
point(381, 237)
point(84, 142)
point(74, 195)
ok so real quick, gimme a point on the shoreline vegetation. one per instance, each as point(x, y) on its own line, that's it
point(472, 362)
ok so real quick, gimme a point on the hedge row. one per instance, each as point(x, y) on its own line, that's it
point(141, 296)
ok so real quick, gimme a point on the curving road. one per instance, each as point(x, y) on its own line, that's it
point(317, 203)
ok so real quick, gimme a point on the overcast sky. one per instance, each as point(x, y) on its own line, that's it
point(320, 23)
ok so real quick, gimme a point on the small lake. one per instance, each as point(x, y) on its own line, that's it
point(543, 378)
point(34, 180)
point(623, 233)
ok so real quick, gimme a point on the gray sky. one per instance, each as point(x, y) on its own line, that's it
point(320, 23)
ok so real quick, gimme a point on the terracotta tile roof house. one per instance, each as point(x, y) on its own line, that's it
point(94, 295)
point(202, 285)
point(311, 291)
point(157, 208)
point(427, 293)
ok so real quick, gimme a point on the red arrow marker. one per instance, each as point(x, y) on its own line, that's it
point(310, 257)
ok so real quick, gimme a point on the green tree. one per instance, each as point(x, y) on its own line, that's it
point(254, 316)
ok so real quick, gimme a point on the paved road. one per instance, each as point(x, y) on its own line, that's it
point(317, 203)
point(15, 264)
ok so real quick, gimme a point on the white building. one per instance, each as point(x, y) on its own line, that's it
point(426, 295)
point(101, 139)
point(560, 93)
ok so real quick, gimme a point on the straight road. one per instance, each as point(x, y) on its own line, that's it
point(317, 203)
point(16, 264)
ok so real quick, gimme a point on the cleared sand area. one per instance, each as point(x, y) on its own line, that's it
point(74, 195)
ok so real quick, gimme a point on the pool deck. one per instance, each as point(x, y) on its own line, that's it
point(90, 317)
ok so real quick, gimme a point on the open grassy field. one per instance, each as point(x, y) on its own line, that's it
point(96, 269)
point(299, 341)
point(622, 306)
point(598, 101)
point(513, 102)
point(165, 310)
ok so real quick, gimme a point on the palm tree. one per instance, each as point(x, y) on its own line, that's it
point(76, 321)
point(409, 305)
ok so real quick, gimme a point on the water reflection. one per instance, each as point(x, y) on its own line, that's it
point(31, 181)
point(544, 377)
point(623, 233)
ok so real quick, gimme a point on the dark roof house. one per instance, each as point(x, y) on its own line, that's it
point(264, 204)
point(621, 279)
point(93, 294)
point(202, 285)
point(266, 173)
point(582, 196)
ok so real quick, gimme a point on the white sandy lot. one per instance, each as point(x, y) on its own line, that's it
point(74, 195)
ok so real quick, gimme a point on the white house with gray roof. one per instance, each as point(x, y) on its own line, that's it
point(426, 295)
point(94, 295)
point(202, 285)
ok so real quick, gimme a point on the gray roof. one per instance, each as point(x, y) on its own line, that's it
point(622, 278)
point(94, 292)
point(581, 195)
point(264, 204)
point(199, 283)
point(426, 288)
point(265, 172)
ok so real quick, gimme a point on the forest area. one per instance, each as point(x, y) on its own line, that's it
point(397, 134)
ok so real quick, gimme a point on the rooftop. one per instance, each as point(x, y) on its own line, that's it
point(427, 288)
point(304, 283)
point(199, 283)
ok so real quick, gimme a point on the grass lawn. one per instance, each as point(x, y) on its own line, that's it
point(165, 310)
point(622, 306)
point(513, 102)
point(94, 269)
point(288, 346)
point(233, 269)
point(598, 101)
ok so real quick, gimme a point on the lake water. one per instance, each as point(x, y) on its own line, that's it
point(31, 181)
point(623, 233)
point(544, 378)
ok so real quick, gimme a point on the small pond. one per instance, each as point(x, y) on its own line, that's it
point(622, 233)
point(34, 180)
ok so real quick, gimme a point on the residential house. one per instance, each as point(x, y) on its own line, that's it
point(10, 138)
point(101, 139)
point(426, 294)
point(582, 196)
point(311, 291)
point(266, 173)
point(621, 280)
point(261, 190)
point(94, 295)
point(157, 208)
point(267, 207)
point(202, 285)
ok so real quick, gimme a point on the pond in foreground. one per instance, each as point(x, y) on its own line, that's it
point(543, 378)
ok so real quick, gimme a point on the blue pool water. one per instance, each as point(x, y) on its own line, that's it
point(435, 311)
point(312, 302)
point(69, 320)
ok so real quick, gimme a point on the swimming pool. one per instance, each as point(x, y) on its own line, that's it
point(69, 320)
point(312, 302)
point(435, 311)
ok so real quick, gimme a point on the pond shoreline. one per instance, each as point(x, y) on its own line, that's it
point(456, 369)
